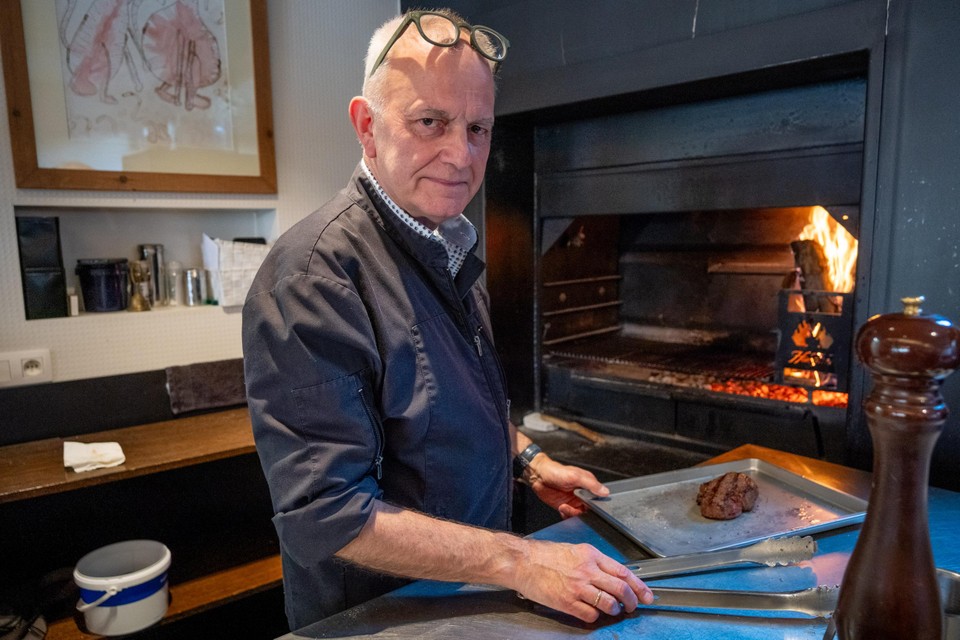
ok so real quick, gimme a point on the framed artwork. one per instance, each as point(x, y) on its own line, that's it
point(139, 95)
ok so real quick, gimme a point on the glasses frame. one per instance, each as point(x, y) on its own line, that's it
point(414, 17)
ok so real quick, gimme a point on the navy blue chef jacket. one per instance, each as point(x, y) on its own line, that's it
point(371, 374)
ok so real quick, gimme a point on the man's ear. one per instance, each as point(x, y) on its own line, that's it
point(362, 118)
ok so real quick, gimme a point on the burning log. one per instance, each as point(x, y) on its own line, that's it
point(811, 260)
point(792, 282)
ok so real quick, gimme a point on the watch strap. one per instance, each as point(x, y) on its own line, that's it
point(524, 458)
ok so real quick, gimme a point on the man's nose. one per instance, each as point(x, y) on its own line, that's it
point(456, 147)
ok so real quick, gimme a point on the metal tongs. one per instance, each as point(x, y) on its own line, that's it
point(819, 602)
point(816, 601)
point(770, 552)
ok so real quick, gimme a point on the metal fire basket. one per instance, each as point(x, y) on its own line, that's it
point(814, 347)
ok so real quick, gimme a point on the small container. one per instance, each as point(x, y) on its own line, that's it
point(103, 283)
point(153, 254)
point(73, 301)
point(174, 283)
point(123, 586)
point(192, 290)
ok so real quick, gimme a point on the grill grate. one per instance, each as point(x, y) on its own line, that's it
point(701, 360)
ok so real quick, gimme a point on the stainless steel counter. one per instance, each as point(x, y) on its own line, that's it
point(428, 609)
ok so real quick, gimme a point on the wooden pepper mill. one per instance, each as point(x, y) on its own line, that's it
point(889, 590)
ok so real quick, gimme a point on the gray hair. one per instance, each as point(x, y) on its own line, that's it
point(373, 84)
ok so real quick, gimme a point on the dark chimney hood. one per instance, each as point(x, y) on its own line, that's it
point(730, 153)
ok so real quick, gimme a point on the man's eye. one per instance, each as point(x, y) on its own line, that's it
point(428, 122)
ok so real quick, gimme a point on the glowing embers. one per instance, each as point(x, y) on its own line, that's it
point(780, 392)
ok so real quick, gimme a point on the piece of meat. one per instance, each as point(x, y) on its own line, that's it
point(727, 496)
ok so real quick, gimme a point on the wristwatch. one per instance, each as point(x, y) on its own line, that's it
point(524, 458)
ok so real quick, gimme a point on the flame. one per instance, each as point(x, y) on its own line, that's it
point(805, 335)
point(838, 245)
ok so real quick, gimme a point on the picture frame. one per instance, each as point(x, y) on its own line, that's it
point(118, 107)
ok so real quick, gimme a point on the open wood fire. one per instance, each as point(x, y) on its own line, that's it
point(809, 366)
point(815, 308)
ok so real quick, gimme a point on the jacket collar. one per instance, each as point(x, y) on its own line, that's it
point(427, 252)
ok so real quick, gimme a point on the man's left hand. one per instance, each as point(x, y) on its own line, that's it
point(554, 484)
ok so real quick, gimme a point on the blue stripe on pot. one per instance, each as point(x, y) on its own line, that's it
point(128, 595)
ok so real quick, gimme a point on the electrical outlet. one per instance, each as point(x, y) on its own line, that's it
point(18, 368)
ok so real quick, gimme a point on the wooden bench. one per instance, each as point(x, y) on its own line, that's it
point(35, 469)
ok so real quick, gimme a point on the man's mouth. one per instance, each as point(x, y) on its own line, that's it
point(448, 182)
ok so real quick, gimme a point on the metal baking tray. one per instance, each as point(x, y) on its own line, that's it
point(659, 512)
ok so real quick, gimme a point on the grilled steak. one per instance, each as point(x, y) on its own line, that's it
point(727, 496)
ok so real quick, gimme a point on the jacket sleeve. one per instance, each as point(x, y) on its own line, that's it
point(310, 363)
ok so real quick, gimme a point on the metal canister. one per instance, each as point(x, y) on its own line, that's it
point(153, 253)
point(193, 293)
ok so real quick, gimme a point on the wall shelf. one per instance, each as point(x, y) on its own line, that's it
point(116, 232)
point(118, 343)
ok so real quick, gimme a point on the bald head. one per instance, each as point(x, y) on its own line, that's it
point(373, 79)
point(425, 124)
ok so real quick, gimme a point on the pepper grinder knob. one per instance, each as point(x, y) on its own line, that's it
point(890, 588)
point(909, 345)
point(911, 306)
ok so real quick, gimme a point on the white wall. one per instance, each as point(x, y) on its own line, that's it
point(316, 52)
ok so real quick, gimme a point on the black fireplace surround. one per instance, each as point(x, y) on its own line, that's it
point(664, 238)
point(649, 117)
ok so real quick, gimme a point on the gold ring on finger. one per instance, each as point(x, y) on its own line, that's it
point(596, 600)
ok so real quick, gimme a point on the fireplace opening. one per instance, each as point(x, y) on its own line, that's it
point(699, 325)
point(685, 288)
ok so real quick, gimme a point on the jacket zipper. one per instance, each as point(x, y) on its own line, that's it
point(478, 343)
point(477, 340)
point(377, 432)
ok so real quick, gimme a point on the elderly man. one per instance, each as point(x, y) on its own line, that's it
point(378, 402)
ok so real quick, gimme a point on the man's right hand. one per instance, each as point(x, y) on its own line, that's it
point(573, 578)
point(577, 579)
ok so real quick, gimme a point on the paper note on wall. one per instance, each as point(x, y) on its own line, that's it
point(232, 266)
